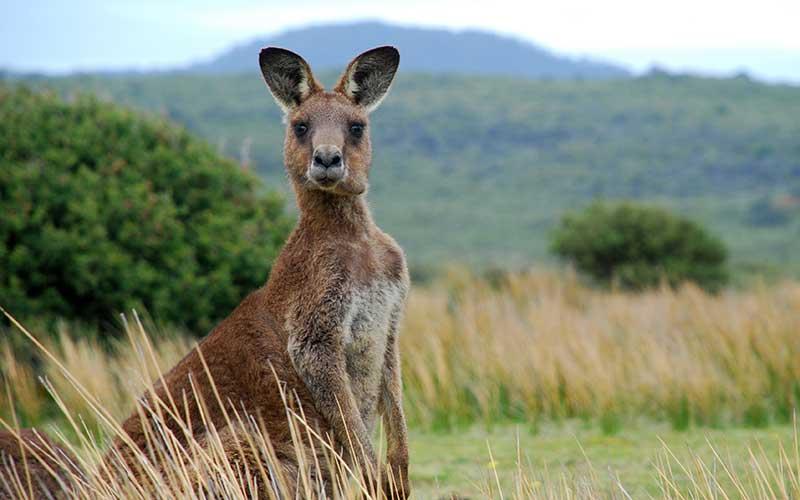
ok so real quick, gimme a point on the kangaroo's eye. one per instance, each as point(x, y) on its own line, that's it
point(300, 129)
point(357, 130)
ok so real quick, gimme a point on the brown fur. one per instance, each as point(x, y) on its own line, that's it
point(46, 464)
point(338, 277)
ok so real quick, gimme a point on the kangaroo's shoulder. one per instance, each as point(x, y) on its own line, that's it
point(393, 259)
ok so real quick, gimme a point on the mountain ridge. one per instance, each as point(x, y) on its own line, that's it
point(427, 50)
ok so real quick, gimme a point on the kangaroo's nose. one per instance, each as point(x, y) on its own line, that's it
point(327, 156)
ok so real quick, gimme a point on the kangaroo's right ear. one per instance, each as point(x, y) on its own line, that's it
point(288, 77)
point(368, 77)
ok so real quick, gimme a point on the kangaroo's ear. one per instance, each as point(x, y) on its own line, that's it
point(368, 77)
point(288, 77)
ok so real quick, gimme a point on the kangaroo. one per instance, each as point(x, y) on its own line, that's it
point(326, 322)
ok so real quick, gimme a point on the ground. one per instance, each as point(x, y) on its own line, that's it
point(447, 463)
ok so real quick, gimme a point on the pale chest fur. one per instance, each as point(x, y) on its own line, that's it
point(373, 311)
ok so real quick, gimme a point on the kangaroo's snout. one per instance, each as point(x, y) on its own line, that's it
point(327, 156)
point(327, 167)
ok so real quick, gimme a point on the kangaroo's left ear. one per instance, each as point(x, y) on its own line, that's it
point(368, 77)
point(288, 77)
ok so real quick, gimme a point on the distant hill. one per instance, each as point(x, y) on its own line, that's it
point(421, 49)
point(480, 169)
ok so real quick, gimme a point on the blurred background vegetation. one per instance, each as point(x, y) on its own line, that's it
point(483, 167)
point(166, 189)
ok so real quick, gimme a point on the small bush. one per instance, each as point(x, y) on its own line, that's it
point(104, 210)
point(635, 247)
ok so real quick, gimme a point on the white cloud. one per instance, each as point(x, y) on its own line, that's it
point(570, 25)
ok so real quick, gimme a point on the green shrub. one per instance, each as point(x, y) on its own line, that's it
point(636, 246)
point(104, 209)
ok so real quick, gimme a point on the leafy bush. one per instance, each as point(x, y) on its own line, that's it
point(637, 246)
point(104, 210)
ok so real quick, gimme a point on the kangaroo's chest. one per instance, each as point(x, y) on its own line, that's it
point(371, 313)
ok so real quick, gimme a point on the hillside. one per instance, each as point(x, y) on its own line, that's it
point(465, 52)
point(480, 169)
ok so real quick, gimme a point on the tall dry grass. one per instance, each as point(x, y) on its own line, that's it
point(541, 345)
point(209, 467)
point(529, 347)
point(237, 461)
point(110, 373)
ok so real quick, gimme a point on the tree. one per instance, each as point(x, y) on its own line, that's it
point(105, 209)
point(637, 246)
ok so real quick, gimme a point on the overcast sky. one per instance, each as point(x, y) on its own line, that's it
point(762, 37)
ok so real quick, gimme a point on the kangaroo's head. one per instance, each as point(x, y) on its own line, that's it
point(327, 143)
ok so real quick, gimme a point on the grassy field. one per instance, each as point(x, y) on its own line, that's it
point(559, 389)
point(574, 455)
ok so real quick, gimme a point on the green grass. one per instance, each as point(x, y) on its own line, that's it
point(447, 463)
